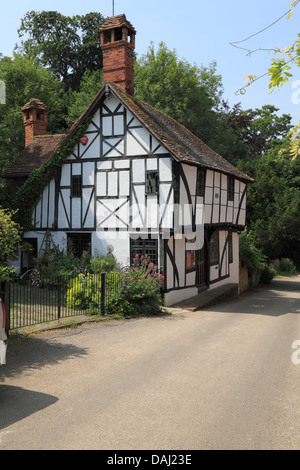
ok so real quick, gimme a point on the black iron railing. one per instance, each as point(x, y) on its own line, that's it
point(32, 300)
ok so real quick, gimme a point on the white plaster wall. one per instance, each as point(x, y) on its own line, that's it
point(233, 267)
point(165, 169)
point(175, 296)
point(119, 240)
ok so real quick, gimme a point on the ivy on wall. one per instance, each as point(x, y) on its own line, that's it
point(30, 192)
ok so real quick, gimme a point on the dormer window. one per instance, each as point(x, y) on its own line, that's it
point(40, 116)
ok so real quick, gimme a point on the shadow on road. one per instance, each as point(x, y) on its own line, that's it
point(30, 353)
point(28, 402)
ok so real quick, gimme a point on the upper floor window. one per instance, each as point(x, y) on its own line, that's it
point(151, 182)
point(200, 186)
point(230, 188)
point(76, 186)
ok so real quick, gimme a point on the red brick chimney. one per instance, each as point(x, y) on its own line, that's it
point(35, 114)
point(117, 43)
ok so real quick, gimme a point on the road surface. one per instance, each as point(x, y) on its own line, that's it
point(224, 378)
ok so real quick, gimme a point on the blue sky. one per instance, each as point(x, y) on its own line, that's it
point(200, 32)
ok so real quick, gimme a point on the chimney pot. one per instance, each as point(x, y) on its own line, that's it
point(118, 43)
point(35, 116)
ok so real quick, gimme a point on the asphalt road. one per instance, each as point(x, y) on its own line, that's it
point(224, 378)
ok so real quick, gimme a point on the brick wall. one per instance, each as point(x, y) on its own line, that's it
point(118, 64)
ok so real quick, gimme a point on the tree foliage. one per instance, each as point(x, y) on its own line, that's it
point(273, 204)
point(68, 45)
point(189, 94)
point(9, 242)
point(24, 80)
point(255, 131)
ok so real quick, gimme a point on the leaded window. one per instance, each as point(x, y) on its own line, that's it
point(230, 188)
point(201, 177)
point(79, 243)
point(151, 182)
point(76, 186)
point(142, 247)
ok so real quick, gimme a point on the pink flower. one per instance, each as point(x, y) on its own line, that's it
point(143, 294)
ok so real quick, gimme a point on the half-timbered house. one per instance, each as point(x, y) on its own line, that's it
point(136, 182)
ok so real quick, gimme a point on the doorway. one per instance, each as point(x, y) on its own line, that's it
point(201, 268)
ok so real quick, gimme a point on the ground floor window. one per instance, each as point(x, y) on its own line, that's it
point(79, 243)
point(144, 246)
point(190, 258)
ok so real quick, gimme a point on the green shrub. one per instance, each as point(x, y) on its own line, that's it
point(139, 292)
point(9, 241)
point(135, 292)
point(287, 266)
point(267, 274)
point(84, 292)
point(103, 264)
point(250, 255)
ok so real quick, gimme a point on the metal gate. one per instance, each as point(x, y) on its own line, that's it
point(31, 301)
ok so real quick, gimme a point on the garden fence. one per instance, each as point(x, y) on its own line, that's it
point(31, 301)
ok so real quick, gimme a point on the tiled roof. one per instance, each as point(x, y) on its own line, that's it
point(116, 22)
point(35, 103)
point(178, 140)
point(34, 155)
point(184, 145)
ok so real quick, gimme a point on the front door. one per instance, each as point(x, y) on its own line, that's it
point(201, 267)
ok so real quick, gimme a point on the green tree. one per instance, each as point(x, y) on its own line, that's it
point(273, 204)
point(68, 45)
point(9, 242)
point(255, 131)
point(25, 80)
point(90, 84)
point(189, 94)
